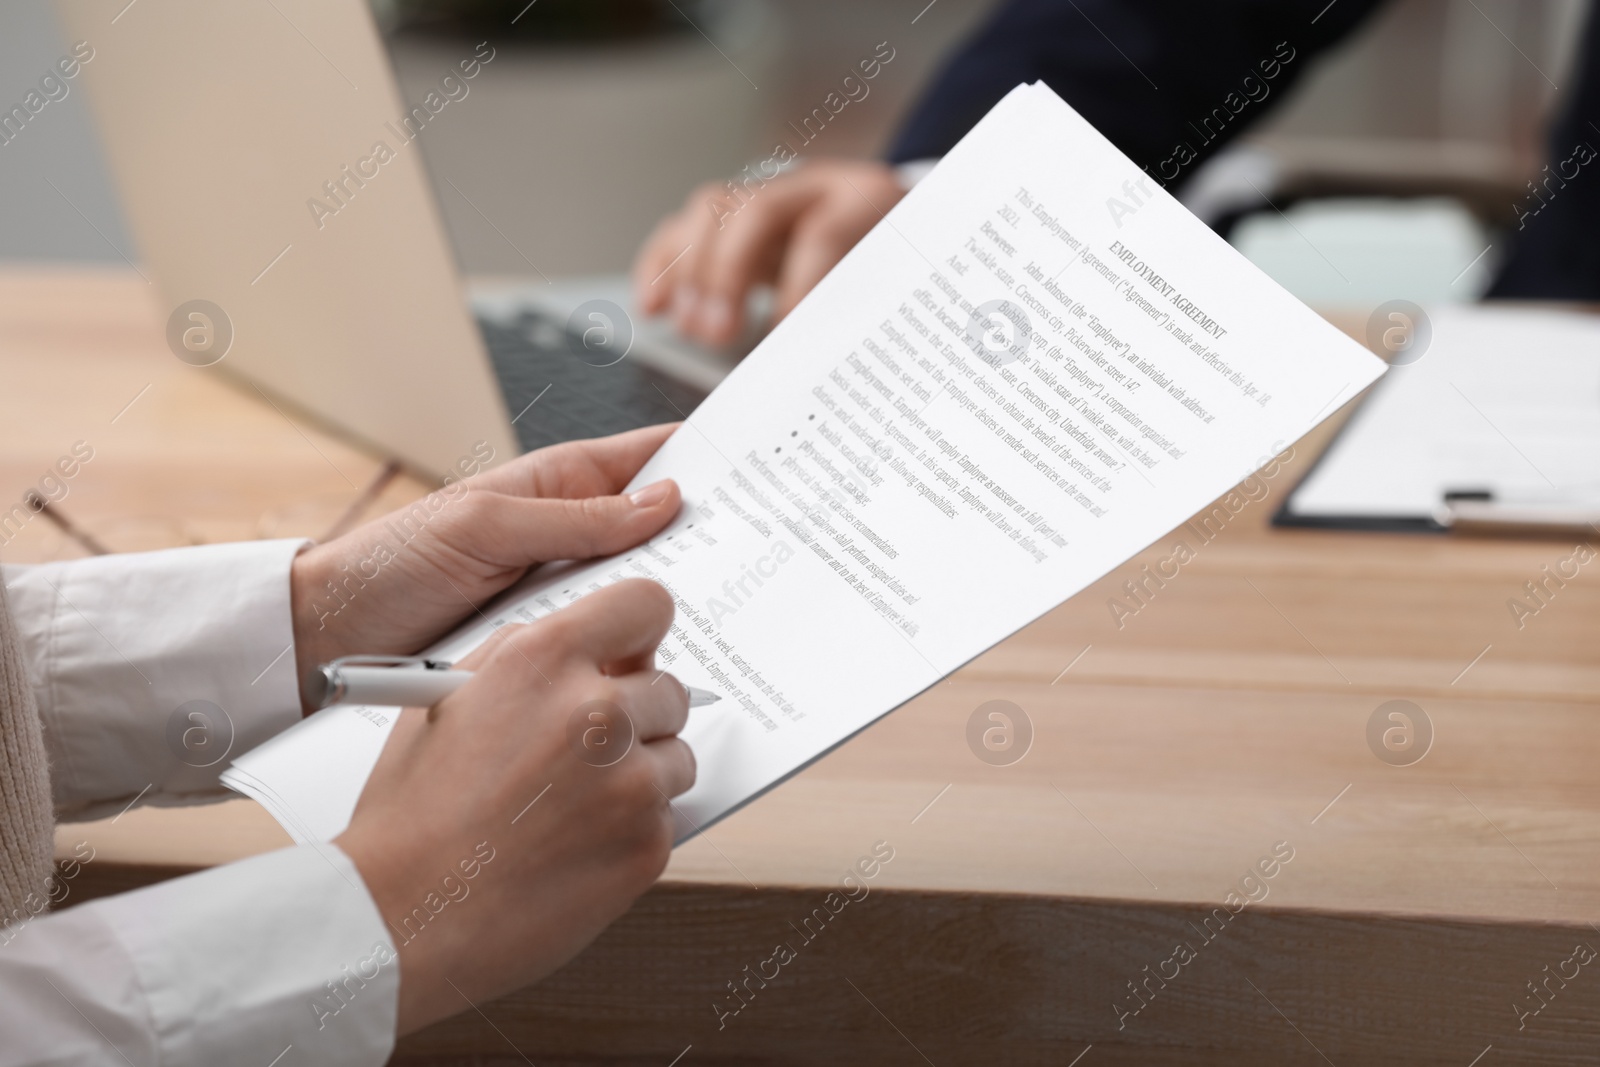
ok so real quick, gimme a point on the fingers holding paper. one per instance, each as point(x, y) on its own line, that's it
point(396, 584)
point(597, 467)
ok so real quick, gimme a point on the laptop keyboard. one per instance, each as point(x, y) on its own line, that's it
point(556, 391)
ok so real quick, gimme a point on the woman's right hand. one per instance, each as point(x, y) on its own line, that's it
point(517, 778)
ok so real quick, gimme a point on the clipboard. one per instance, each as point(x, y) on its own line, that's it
point(1498, 419)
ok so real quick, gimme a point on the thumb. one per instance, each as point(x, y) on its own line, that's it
point(515, 531)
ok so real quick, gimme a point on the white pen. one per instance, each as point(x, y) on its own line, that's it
point(404, 681)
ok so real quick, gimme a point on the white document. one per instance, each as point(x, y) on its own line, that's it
point(885, 488)
point(1504, 401)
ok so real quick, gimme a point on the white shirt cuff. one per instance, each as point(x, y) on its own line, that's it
point(153, 670)
point(238, 964)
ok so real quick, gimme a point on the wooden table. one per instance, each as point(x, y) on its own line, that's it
point(1170, 755)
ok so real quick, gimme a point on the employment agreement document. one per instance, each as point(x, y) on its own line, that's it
point(1034, 366)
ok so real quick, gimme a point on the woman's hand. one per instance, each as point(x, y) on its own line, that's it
point(503, 830)
point(399, 583)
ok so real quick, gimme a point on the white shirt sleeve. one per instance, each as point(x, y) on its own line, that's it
point(153, 670)
point(277, 961)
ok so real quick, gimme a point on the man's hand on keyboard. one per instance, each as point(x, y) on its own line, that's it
point(702, 262)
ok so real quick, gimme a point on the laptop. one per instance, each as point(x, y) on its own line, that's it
point(273, 178)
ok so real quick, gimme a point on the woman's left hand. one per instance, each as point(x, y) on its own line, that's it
point(399, 583)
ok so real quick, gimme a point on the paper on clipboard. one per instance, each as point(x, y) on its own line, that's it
point(1505, 401)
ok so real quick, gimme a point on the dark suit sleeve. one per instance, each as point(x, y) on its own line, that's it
point(1555, 244)
point(1168, 81)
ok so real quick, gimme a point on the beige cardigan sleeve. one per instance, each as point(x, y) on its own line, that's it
point(26, 817)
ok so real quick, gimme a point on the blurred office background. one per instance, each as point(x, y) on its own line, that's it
point(1394, 165)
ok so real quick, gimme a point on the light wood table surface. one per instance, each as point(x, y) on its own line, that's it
point(1170, 754)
